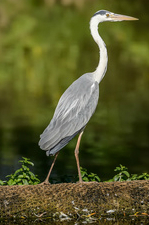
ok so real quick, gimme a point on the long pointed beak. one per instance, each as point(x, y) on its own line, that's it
point(119, 17)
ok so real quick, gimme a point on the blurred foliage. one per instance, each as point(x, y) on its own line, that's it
point(44, 46)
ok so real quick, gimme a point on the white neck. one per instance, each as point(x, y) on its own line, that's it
point(102, 66)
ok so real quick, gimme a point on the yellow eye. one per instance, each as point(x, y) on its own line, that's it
point(107, 15)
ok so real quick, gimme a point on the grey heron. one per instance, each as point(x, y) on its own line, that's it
point(79, 101)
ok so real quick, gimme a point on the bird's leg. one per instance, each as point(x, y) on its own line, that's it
point(47, 178)
point(77, 156)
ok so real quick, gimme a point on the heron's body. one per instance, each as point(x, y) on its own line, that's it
point(79, 101)
point(70, 115)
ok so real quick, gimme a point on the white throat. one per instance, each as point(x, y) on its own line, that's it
point(102, 66)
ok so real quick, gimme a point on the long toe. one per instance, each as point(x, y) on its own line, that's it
point(45, 182)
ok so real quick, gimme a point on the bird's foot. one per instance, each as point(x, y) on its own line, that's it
point(46, 182)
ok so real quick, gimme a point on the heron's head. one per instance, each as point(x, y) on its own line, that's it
point(104, 15)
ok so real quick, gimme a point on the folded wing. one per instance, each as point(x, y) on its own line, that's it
point(74, 109)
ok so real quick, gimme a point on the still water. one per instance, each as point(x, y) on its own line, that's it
point(56, 50)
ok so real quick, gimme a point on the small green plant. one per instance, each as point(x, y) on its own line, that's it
point(143, 176)
point(23, 175)
point(88, 177)
point(2, 182)
point(122, 175)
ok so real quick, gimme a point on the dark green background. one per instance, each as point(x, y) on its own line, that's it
point(44, 47)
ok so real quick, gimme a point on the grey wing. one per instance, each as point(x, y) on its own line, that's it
point(72, 113)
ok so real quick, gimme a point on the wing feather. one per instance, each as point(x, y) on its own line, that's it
point(72, 113)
